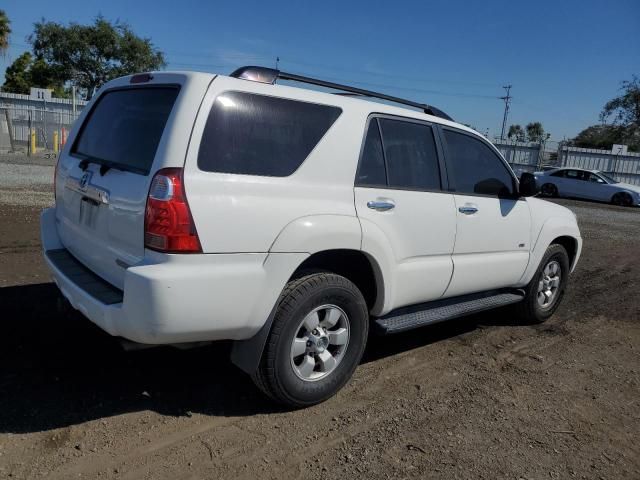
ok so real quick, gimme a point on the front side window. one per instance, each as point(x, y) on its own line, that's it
point(592, 177)
point(608, 178)
point(476, 169)
point(259, 135)
point(559, 173)
point(574, 175)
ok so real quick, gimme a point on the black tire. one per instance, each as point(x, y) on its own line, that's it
point(549, 190)
point(530, 311)
point(623, 199)
point(275, 375)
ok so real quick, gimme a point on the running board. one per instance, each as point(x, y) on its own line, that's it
point(408, 318)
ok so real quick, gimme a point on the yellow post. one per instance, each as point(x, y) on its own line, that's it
point(55, 142)
point(33, 141)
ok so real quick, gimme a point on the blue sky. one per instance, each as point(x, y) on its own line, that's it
point(565, 59)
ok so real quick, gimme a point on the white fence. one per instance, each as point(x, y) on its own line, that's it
point(529, 157)
point(624, 168)
point(523, 157)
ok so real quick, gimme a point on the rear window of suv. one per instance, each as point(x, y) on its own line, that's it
point(124, 127)
point(260, 135)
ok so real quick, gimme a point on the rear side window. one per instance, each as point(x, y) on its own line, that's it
point(410, 154)
point(404, 157)
point(475, 168)
point(259, 135)
point(371, 171)
point(125, 126)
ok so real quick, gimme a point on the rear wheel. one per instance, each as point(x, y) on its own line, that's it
point(623, 199)
point(549, 190)
point(545, 291)
point(317, 339)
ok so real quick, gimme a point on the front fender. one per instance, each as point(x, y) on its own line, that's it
point(552, 228)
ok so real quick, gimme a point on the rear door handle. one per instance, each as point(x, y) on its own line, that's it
point(380, 206)
point(468, 210)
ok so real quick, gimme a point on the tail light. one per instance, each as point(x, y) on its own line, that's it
point(168, 224)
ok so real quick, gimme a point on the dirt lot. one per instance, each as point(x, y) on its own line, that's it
point(474, 398)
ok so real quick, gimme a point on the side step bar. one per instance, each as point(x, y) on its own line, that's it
point(408, 318)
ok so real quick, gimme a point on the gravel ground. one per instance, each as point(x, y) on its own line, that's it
point(474, 398)
point(26, 181)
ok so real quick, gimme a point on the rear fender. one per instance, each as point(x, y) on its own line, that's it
point(316, 233)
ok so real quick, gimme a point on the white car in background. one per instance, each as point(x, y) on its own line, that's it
point(588, 184)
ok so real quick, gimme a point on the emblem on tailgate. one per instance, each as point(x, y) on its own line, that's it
point(84, 180)
point(83, 186)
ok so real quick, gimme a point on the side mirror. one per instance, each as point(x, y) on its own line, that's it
point(528, 186)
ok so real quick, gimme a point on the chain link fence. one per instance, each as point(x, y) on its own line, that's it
point(33, 131)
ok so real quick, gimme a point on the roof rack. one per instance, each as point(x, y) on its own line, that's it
point(270, 75)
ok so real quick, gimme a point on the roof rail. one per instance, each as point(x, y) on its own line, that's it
point(270, 75)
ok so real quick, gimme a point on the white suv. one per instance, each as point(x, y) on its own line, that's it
point(195, 207)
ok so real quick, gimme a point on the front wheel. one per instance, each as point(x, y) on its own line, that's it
point(545, 291)
point(549, 190)
point(623, 199)
point(316, 341)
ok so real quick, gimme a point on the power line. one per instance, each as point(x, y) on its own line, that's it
point(507, 102)
point(357, 82)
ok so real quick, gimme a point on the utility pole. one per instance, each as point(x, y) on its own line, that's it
point(507, 102)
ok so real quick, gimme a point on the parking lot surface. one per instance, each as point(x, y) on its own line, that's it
point(474, 398)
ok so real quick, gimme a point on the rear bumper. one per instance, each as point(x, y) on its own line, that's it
point(180, 298)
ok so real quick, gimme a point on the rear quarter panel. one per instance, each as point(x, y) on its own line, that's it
point(246, 213)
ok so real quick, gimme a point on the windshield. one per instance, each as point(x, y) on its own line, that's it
point(608, 178)
point(124, 127)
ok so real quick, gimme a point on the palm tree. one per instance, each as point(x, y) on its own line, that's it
point(535, 131)
point(5, 31)
point(516, 132)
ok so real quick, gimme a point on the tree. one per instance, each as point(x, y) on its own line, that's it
point(599, 136)
point(5, 31)
point(535, 131)
point(90, 55)
point(516, 132)
point(16, 77)
point(625, 109)
point(625, 126)
point(26, 72)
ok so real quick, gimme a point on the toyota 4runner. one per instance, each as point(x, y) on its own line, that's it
point(195, 207)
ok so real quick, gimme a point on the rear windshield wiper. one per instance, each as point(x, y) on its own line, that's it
point(104, 167)
point(84, 164)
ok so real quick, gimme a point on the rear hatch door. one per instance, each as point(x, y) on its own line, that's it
point(127, 134)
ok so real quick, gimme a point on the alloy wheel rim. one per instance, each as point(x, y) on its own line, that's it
point(320, 343)
point(549, 284)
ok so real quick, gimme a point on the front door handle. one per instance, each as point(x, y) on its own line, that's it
point(468, 210)
point(380, 206)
